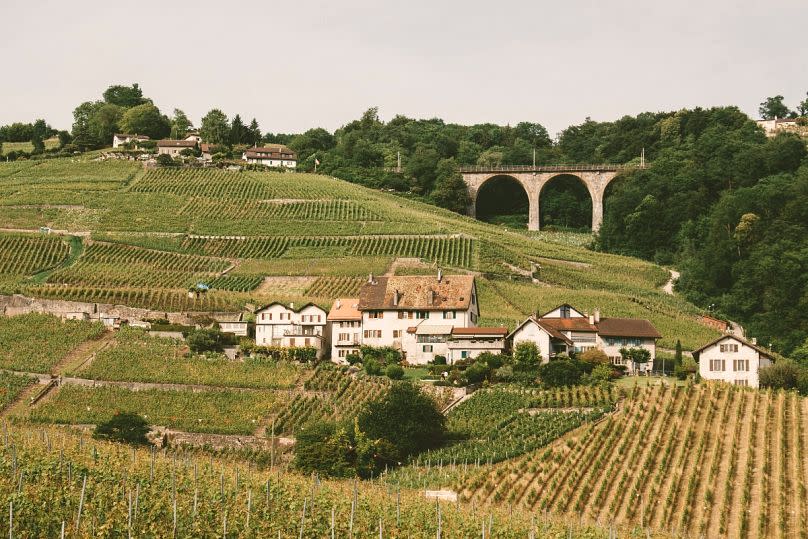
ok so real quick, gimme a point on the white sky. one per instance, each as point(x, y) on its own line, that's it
point(306, 63)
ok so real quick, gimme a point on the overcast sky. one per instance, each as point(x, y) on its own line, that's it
point(305, 63)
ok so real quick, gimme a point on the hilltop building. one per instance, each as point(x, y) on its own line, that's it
point(565, 329)
point(733, 360)
point(174, 147)
point(285, 326)
point(274, 155)
point(778, 125)
point(119, 139)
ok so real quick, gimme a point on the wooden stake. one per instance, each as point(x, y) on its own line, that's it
point(81, 503)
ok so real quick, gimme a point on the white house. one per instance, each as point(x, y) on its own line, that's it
point(281, 325)
point(174, 147)
point(468, 343)
point(732, 360)
point(232, 323)
point(416, 314)
point(345, 323)
point(194, 137)
point(275, 155)
point(566, 329)
point(119, 139)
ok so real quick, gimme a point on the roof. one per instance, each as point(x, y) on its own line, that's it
point(127, 135)
point(417, 292)
point(167, 143)
point(270, 152)
point(345, 309)
point(554, 333)
point(228, 318)
point(481, 332)
point(627, 327)
point(760, 350)
point(430, 329)
point(290, 307)
point(562, 305)
point(207, 146)
point(569, 324)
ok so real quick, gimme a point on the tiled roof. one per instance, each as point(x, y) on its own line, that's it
point(417, 292)
point(762, 351)
point(627, 327)
point(569, 324)
point(270, 152)
point(167, 143)
point(345, 309)
point(481, 331)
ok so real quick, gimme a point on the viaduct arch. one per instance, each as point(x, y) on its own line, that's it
point(533, 179)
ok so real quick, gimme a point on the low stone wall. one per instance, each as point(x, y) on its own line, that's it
point(18, 304)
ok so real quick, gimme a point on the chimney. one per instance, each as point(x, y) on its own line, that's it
point(370, 278)
point(597, 316)
point(440, 275)
point(754, 340)
point(591, 319)
point(292, 305)
point(396, 296)
point(431, 296)
point(339, 304)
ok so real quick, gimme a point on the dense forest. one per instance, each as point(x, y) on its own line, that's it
point(718, 200)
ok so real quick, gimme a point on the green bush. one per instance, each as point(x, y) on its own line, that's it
point(394, 372)
point(559, 373)
point(372, 367)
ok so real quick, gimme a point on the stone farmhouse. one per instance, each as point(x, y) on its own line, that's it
point(274, 155)
point(119, 139)
point(565, 329)
point(733, 360)
point(285, 326)
point(174, 147)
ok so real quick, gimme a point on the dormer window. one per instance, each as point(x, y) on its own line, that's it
point(565, 311)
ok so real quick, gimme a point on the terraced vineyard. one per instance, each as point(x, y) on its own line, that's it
point(150, 234)
point(330, 395)
point(707, 460)
point(94, 488)
point(26, 255)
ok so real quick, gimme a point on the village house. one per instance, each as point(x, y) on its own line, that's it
point(174, 147)
point(281, 325)
point(119, 139)
point(416, 314)
point(774, 126)
point(733, 360)
point(565, 329)
point(345, 322)
point(469, 343)
point(207, 151)
point(193, 136)
point(232, 323)
point(274, 155)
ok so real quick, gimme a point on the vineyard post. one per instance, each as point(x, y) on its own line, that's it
point(440, 520)
point(398, 507)
point(129, 515)
point(333, 517)
point(196, 499)
point(272, 447)
point(249, 506)
point(174, 529)
point(81, 503)
point(11, 520)
point(151, 469)
point(62, 534)
point(224, 525)
point(303, 518)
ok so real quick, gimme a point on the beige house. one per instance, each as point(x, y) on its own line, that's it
point(468, 343)
point(232, 323)
point(275, 155)
point(281, 325)
point(733, 360)
point(416, 314)
point(345, 322)
point(777, 125)
point(565, 329)
point(174, 147)
point(119, 139)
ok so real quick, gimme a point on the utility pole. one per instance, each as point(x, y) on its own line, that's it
point(642, 158)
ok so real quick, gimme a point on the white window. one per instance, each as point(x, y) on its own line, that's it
point(375, 314)
point(427, 348)
point(464, 354)
point(396, 333)
point(717, 364)
point(449, 315)
point(740, 365)
point(344, 336)
point(728, 348)
point(421, 315)
point(742, 383)
point(618, 360)
point(373, 334)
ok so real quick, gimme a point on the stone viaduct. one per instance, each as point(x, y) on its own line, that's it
point(534, 178)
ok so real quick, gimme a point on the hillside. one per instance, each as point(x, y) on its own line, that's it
point(143, 237)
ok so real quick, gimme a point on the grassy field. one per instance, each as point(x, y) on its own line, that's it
point(148, 235)
point(9, 147)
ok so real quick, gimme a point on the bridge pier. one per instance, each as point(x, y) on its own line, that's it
point(533, 179)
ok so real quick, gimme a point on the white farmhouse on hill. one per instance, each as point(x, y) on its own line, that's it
point(281, 325)
point(417, 314)
point(119, 139)
point(274, 155)
point(346, 328)
point(174, 147)
point(733, 360)
point(565, 329)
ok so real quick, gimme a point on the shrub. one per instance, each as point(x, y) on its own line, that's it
point(124, 427)
point(372, 367)
point(595, 355)
point(205, 340)
point(526, 356)
point(560, 373)
point(165, 160)
point(439, 360)
point(782, 375)
point(406, 418)
point(394, 372)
